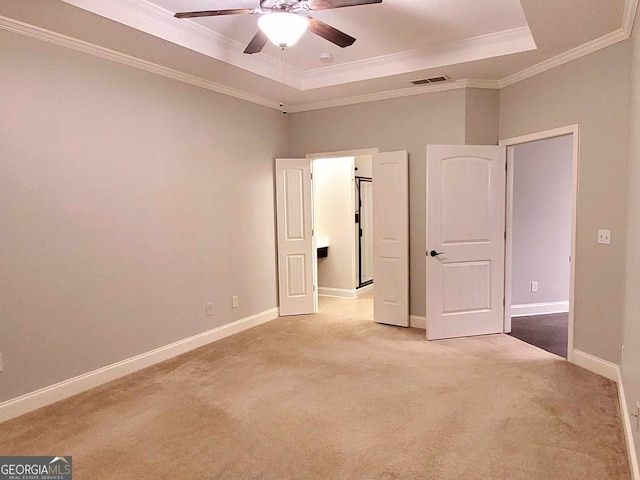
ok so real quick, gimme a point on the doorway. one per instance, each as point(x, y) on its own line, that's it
point(297, 242)
point(470, 237)
point(342, 220)
point(540, 238)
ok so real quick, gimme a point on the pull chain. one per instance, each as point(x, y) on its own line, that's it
point(282, 102)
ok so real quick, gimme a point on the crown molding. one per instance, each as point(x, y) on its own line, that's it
point(48, 36)
point(389, 94)
point(565, 57)
point(612, 38)
point(149, 18)
point(629, 16)
point(154, 20)
point(466, 50)
point(623, 33)
point(54, 38)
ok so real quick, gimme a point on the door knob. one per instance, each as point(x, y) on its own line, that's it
point(433, 253)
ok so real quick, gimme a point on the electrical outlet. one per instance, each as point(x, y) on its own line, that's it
point(534, 286)
point(209, 309)
point(604, 237)
point(234, 301)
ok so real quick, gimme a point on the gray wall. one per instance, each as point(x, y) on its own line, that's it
point(631, 361)
point(542, 220)
point(482, 116)
point(401, 124)
point(128, 202)
point(593, 92)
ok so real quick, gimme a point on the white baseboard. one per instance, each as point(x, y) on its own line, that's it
point(416, 321)
point(528, 309)
point(365, 289)
point(337, 292)
point(612, 372)
point(67, 388)
point(596, 365)
point(628, 431)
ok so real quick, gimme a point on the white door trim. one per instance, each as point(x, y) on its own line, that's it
point(343, 153)
point(511, 142)
point(314, 156)
point(508, 243)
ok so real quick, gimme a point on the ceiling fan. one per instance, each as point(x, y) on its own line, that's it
point(284, 21)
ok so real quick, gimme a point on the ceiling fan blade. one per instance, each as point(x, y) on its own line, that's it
point(257, 43)
point(216, 13)
point(318, 5)
point(329, 33)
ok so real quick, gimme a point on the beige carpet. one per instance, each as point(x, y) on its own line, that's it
point(334, 396)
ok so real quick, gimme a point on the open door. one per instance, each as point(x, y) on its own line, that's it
point(465, 240)
point(296, 257)
point(391, 238)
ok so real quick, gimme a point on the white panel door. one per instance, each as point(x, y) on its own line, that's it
point(295, 242)
point(465, 240)
point(391, 238)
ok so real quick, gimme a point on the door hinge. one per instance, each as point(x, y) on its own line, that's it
point(504, 302)
point(314, 288)
point(506, 167)
point(311, 176)
point(312, 232)
point(505, 235)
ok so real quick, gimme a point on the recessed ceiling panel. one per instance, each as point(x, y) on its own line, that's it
point(477, 43)
point(392, 37)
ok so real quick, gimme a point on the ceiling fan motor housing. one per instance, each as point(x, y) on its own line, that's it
point(281, 5)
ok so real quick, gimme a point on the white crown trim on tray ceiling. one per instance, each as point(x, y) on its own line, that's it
point(152, 19)
point(265, 63)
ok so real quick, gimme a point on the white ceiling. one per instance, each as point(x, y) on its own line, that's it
point(381, 29)
point(475, 42)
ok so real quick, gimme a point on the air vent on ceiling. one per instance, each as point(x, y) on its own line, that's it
point(424, 81)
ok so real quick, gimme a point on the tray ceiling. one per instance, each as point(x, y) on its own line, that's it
point(477, 42)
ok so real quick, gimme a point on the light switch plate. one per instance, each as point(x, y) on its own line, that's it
point(604, 237)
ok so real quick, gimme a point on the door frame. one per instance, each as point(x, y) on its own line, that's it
point(573, 130)
point(359, 182)
point(314, 156)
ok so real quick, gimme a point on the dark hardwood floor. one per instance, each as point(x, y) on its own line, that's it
point(549, 332)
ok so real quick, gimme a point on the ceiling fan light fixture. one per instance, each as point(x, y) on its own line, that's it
point(283, 29)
